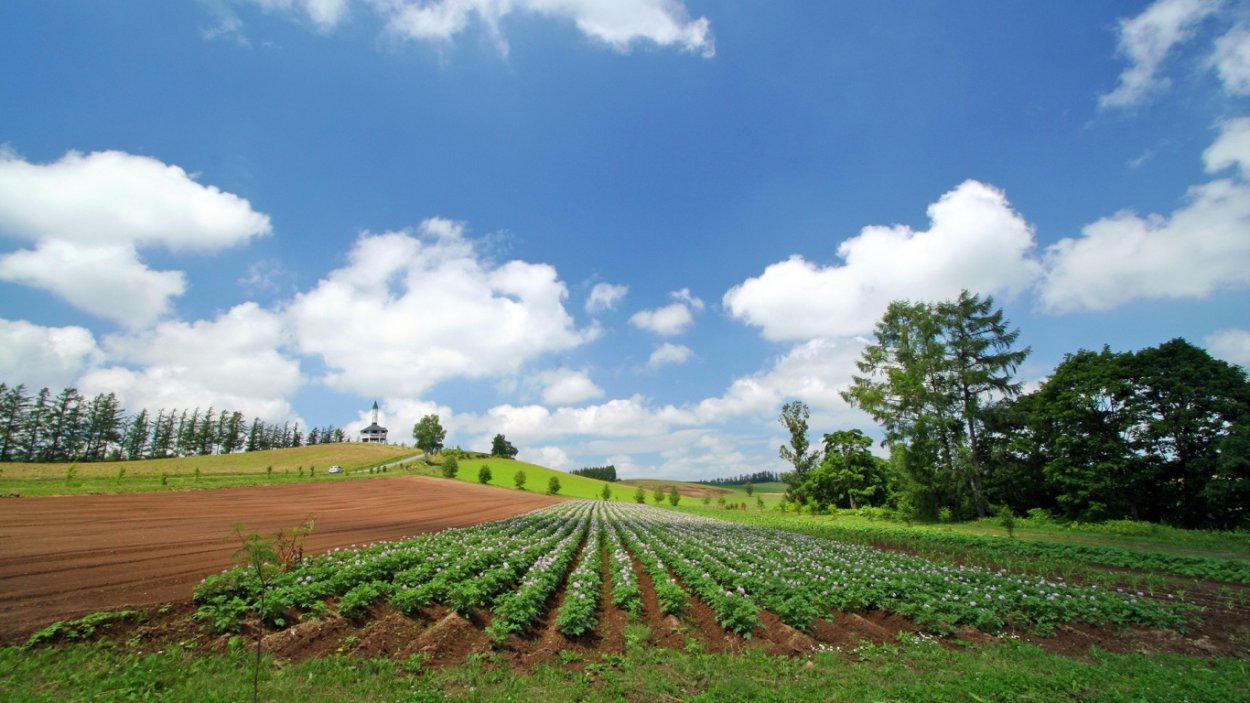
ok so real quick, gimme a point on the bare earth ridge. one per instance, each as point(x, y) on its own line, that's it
point(67, 556)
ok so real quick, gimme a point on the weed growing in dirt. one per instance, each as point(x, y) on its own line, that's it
point(81, 629)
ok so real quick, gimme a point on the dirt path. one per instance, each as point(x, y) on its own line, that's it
point(68, 556)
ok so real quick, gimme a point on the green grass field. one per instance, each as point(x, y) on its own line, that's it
point(503, 473)
point(911, 669)
point(219, 471)
point(1135, 536)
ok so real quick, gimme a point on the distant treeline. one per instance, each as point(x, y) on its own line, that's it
point(603, 473)
point(71, 427)
point(757, 477)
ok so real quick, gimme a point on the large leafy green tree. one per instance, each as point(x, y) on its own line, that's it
point(1158, 434)
point(429, 434)
point(849, 475)
point(500, 446)
point(928, 379)
point(1184, 404)
point(1081, 423)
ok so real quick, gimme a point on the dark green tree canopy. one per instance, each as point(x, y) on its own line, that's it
point(429, 434)
point(1147, 435)
point(849, 475)
point(500, 446)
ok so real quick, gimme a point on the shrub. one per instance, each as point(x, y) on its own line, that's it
point(483, 474)
point(1007, 519)
point(640, 496)
point(607, 492)
point(659, 494)
point(673, 496)
point(873, 512)
point(450, 466)
point(945, 515)
point(519, 478)
point(553, 486)
point(1039, 515)
point(906, 509)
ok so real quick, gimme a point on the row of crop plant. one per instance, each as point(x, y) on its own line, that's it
point(512, 568)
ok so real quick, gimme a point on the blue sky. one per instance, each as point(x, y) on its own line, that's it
point(618, 231)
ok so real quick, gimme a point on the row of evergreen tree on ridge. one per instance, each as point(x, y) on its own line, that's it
point(744, 479)
point(71, 427)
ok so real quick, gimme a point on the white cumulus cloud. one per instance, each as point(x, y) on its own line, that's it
point(410, 311)
point(51, 357)
point(551, 457)
point(669, 353)
point(566, 386)
point(89, 215)
point(1200, 248)
point(669, 320)
point(975, 241)
point(1231, 345)
point(233, 362)
point(815, 371)
point(106, 281)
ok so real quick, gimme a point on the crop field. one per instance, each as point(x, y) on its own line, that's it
point(68, 556)
point(508, 570)
point(611, 600)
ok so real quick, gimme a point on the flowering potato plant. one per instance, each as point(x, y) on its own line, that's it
point(514, 567)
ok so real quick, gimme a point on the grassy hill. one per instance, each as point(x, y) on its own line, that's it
point(770, 492)
point(503, 472)
point(310, 463)
point(219, 471)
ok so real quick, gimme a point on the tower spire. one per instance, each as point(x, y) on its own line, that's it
point(375, 412)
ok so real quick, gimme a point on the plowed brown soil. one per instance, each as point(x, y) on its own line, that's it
point(63, 557)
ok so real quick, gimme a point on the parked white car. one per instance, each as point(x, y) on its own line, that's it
point(336, 469)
